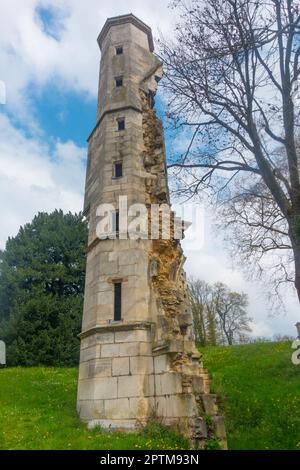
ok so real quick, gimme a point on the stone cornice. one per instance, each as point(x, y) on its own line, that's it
point(123, 19)
point(119, 326)
point(109, 111)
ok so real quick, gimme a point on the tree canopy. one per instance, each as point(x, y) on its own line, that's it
point(42, 273)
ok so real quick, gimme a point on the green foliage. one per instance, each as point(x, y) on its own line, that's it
point(259, 387)
point(38, 411)
point(160, 433)
point(42, 273)
point(213, 444)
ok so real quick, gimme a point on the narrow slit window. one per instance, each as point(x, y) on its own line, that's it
point(118, 301)
point(121, 124)
point(119, 82)
point(116, 222)
point(119, 50)
point(118, 170)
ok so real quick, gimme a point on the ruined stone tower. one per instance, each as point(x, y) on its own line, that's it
point(138, 358)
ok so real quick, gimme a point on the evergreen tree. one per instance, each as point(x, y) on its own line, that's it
point(42, 272)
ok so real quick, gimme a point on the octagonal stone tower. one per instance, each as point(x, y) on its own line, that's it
point(138, 359)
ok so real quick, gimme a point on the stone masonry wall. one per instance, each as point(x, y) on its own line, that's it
point(182, 384)
point(145, 367)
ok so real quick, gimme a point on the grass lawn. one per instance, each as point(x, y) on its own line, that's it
point(38, 411)
point(260, 390)
point(258, 385)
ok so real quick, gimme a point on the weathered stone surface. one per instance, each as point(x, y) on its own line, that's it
point(141, 408)
point(85, 392)
point(87, 354)
point(210, 404)
point(105, 387)
point(118, 408)
point(92, 409)
point(161, 363)
point(145, 365)
point(131, 336)
point(129, 349)
point(180, 405)
point(110, 350)
point(84, 371)
point(167, 384)
point(120, 366)
point(100, 368)
point(105, 338)
point(219, 427)
point(141, 365)
point(135, 386)
point(113, 424)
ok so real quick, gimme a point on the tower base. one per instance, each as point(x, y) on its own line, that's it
point(125, 381)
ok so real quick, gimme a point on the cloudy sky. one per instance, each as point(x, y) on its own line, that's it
point(49, 63)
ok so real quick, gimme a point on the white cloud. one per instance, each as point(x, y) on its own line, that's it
point(35, 178)
point(28, 54)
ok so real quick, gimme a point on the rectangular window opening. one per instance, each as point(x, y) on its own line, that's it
point(121, 124)
point(119, 50)
point(118, 302)
point(118, 170)
point(116, 222)
point(119, 82)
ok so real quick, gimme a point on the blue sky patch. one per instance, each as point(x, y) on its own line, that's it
point(64, 114)
point(51, 20)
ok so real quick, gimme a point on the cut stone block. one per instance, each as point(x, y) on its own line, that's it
point(110, 350)
point(120, 366)
point(105, 388)
point(161, 363)
point(141, 365)
point(135, 386)
point(105, 338)
point(87, 354)
point(92, 409)
point(168, 383)
point(118, 408)
point(100, 368)
point(210, 404)
point(131, 336)
point(180, 406)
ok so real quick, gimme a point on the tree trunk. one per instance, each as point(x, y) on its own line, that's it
point(296, 251)
point(294, 234)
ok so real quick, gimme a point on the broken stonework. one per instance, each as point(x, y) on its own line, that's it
point(144, 366)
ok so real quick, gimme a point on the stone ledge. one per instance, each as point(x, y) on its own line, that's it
point(116, 328)
point(113, 424)
point(109, 111)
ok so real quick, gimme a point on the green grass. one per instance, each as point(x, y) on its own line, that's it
point(258, 385)
point(38, 411)
point(260, 394)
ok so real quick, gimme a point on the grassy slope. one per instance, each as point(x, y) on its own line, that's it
point(38, 411)
point(259, 386)
point(260, 390)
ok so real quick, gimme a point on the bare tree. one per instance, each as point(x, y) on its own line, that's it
point(230, 308)
point(231, 78)
point(220, 315)
point(257, 233)
point(205, 325)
